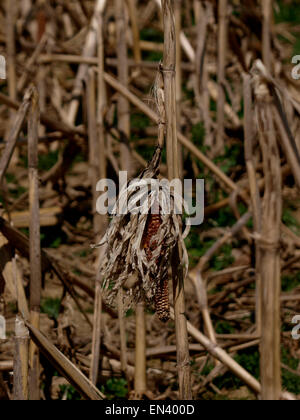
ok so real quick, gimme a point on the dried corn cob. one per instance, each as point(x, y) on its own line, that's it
point(139, 246)
point(162, 305)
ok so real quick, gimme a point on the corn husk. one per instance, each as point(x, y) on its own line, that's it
point(126, 264)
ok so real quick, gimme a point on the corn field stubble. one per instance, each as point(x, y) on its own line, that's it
point(53, 47)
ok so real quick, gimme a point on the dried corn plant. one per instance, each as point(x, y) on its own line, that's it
point(272, 132)
point(140, 242)
point(93, 62)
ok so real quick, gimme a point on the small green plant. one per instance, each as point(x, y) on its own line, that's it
point(198, 134)
point(233, 156)
point(290, 381)
point(115, 388)
point(291, 15)
point(56, 243)
point(25, 231)
point(139, 121)
point(249, 360)
point(224, 260)
point(223, 327)
point(51, 307)
point(16, 191)
point(10, 178)
point(52, 237)
point(47, 161)
point(197, 248)
point(151, 34)
point(290, 221)
point(72, 394)
point(290, 282)
point(129, 313)
point(84, 253)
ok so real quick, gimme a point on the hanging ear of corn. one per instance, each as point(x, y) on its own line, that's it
point(139, 248)
point(162, 305)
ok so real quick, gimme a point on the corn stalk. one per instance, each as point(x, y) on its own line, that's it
point(268, 240)
point(34, 241)
point(169, 65)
